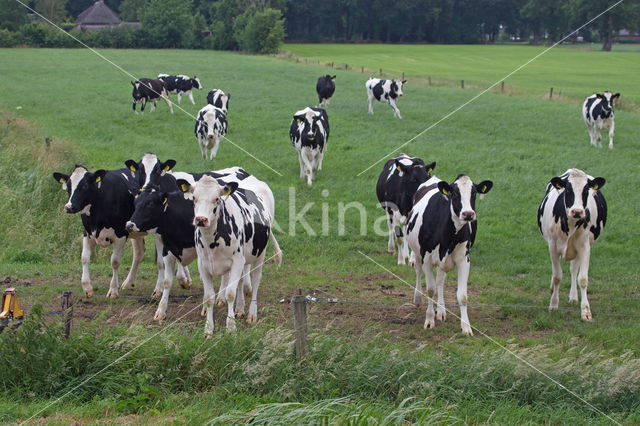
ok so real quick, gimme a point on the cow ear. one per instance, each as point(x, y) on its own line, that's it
point(230, 188)
point(617, 95)
point(133, 84)
point(228, 96)
point(444, 187)
point(597, 183)
point(184, 185)
point(599, 95)
point(59, 177)
point(484, 186)
point(131, 165)
point(400, 167)
point(404, 81)
point(557, 183)
point(168, 165)
point(333, 77)
point(99, 175)
point(430, 167)
point(297, 118)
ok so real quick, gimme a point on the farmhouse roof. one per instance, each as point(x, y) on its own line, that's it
point(98, 13)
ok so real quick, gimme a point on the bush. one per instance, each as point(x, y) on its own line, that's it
point(259, 32)
point(9, 38)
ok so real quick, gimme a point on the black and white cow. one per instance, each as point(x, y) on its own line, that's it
point(104, 200)
point(309, 133)
point(149, 90)
point(597, 112)
point(384, 91)
point(162, 209)
point(218, 98)
point(325, 88)
point(182, 85)
point(397, 184)
point(441, 231)
point(210, 129)
point(571, 217)
point(233, 228)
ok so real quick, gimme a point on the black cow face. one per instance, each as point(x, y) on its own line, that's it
point(138, 91)
point(576, 192)
point(149, 205)
point(462, 193)
point(81, 186)
point(310, 121)
point(607, 100)
point(149, 169)
point(195, 82)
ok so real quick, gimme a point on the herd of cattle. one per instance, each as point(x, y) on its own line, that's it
point(224, 218)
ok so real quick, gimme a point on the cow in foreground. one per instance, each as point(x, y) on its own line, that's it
point(149, 90)
point(597, 112)
point(218, 98)
point(325, 87)
point(441, 231)
point(104, 200)
point(309, 133)
point(397, 184)
point(384, 91)
point(233, 227)
point(571, 217)
point(210, 129)
point(182, 85)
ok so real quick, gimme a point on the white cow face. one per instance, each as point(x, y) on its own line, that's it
point(210, 118)
point(399, 85)
point(207, 196)
point(462, 193)
point(308, 123)
point(81, 186)
point(576, 188)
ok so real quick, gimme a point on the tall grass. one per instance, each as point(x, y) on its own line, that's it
point(340, 380)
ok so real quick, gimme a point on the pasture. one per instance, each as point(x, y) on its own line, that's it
point(366, 361)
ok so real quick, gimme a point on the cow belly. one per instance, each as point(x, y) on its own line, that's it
point(604, 124)
point(105, 238)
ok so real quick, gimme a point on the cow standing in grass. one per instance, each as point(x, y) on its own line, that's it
point(441, 231)
point(571, 217)
point(325, 87)
point(182, 85)
point(397, 184)
point(597, 112)
point(384, 91)
point(309, 133)
point(149, 90)
point(210, 129)
point(218, 98)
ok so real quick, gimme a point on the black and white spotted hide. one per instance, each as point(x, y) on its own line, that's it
point(309, 133)
point(182, 85)
point(218, 98)
point(210, 129)
point(325, 87)
point(149, 90)
point(387, 91)
point(597, 113)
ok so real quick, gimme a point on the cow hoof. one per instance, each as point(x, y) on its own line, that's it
point(429, 324)
point(156, 294)
point(571, 300)
point(467, 331)
point(186, 284)
point(252, 319)
point(221, 302)
point(203, 312)
point(417, 300)
point(586, 316)
point(239, 314)
point(441, 317)
point(112, 294)
point(231, 328)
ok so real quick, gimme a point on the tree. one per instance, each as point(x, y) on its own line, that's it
point(169, 23)
point(12, 15)
point(626, 15)
point(260, 31)
point(53, 10)
point(132, 10)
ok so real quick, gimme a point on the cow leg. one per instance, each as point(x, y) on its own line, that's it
point(573, 293)
point(169, 266)
point(179, 98)
point(183, 276)
point(118, 248)
point(583, 282)
point(430, 319)
point(240, 294)
point(611, 133)
point(321, 157)
point(441, 310)
point(191, 98)
point(256, 277)
point(391, 244)
point(463, 277)
point(168, 101)
point(138, 254)
point(301, 164)
point(308, 166)
point(370, 100)
point(157, 291)
point(134, 107)
point(396, 111)
point(203, 148)
point(235, 273)
point(417, 293)
point(144, 104)
point(209, 296)
point(556, 276)
point(154, 105)
point(592, 136)
point(214, 149)
point(87, 247)
point(220, 299)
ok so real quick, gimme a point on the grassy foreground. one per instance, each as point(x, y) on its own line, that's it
point(366, 361)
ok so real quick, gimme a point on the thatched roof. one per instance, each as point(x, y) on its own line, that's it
point(98, 14)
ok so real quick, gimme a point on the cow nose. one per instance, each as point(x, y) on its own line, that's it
point(201, 221)
point(69, 208)
point(210, 136)
point(577, 213)
point(468, 216)
point(131, 227)
point(310, 134)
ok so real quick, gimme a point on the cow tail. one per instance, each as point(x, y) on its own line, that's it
point(277, 253)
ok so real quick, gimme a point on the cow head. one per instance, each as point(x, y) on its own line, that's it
point(462, 195)
point(208, 194)
point(308, 122)
point(138, 92)
point(576, 186)
point(149, 168)
point(209, 117)
point(149, 205)
point(81, 185)
point(607, 100)
point(195, 82)
point(396, 86)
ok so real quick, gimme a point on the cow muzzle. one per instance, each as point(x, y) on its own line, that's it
point(577, 213)
point(311, 135)
point(201, 221)
point(468, 216)
point(131, 227)
point(210, 136)
point(69, 208)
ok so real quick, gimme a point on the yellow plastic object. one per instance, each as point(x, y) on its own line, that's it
point(10, 305)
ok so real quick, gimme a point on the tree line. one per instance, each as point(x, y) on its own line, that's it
point(262, 25)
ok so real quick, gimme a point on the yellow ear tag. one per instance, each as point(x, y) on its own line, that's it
point(227, 191)
point(184, 187)
point(595, 187)
point(429, 170)
point(166, 168)
point(298, 120)
point(445, 192)
point(62, 181)
point(165, 201)
point(133, 169)
point(398, 168)
point(98, 179)
point(483, 189)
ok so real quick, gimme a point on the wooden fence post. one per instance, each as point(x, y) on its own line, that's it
point(362, 70)
point(331, 65)
point(403, 75)
point(462, 84)
point(502, 87)
point(67, 312)
point(299, 306)
point(550, 92)
point(380, 71)
point(346, 67)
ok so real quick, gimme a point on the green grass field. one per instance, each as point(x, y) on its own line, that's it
point(366, 362)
